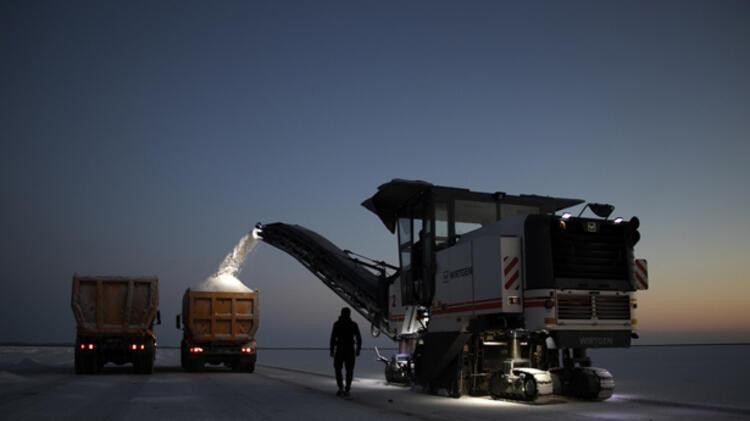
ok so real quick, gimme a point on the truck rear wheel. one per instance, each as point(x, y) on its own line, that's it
point(244, 366)
point(194, 364)
point(86, 363)
point(137, 365)
point(79, 363)
point(148, 364)
point(144, 364)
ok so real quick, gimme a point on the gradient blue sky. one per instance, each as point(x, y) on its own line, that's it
point(147, 137)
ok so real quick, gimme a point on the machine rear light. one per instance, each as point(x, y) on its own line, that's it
point(247, 350)
point(133, 347)
point(143, 346)
point(91, 346)
point(83, 346)
point(196, 349)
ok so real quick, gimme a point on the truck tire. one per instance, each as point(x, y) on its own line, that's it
point(137, 364)
point(148, 363)
point(87, 364)
point(194, 364)
point(143, 364)
point(243, 366)
point(79, 363)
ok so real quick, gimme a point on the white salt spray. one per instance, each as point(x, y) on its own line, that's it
point(225, 278)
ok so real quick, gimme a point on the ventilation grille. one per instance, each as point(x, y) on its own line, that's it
point(612, 307)
point(582, 254)
point(574, 307)
point(586, 307)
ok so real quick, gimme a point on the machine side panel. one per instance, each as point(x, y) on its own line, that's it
point(454, 298)
point(396, 309)
point(488, 290)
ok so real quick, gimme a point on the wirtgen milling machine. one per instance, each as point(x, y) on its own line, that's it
point(494, 293)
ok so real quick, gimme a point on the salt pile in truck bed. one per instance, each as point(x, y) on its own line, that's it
point(220, 317)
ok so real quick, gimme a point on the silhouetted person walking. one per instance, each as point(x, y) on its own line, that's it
point(344, 350)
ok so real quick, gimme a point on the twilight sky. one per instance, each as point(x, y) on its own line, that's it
point(147, 137)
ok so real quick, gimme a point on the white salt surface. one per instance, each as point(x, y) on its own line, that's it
point(225, 278)
point(6, 377)
point(222, 283)
point(654, 383)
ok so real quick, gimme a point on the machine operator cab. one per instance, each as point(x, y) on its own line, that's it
point(430, 218)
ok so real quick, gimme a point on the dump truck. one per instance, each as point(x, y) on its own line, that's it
point(494, 293)
point(115, 318)
point(218, 328)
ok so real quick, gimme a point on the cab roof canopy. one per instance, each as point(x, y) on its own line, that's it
point(394, 195)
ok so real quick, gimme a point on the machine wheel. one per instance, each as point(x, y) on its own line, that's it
point(592, 384)
point(584, 385)
point(530, 390)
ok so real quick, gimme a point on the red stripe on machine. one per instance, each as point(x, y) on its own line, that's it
point(470, 307)
point(639, 278)
point(511, 280)
point(510, 265)
point(534, 303)
point(641, 267)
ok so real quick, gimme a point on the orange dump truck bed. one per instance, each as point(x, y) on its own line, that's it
point(115, 318)
point(115, 304)
point(220, 316)
point(219, 328)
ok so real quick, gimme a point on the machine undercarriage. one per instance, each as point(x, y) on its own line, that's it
point(516, 365)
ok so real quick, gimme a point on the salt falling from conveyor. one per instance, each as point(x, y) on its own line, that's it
point(225, 279)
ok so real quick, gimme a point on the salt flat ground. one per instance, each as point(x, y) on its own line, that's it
point(653, 383)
